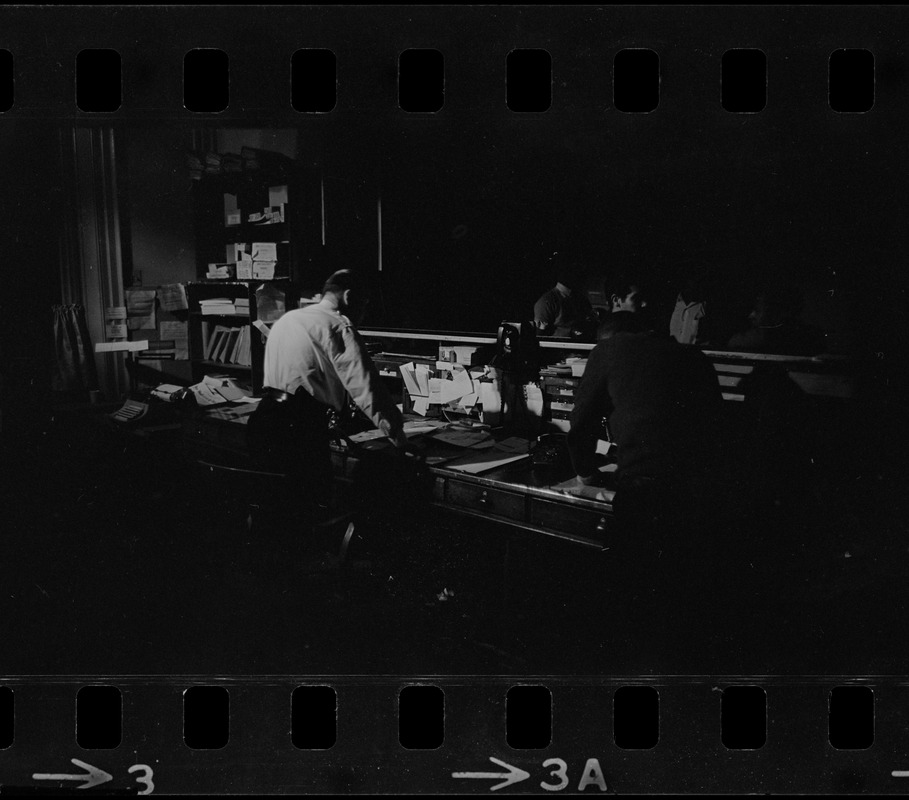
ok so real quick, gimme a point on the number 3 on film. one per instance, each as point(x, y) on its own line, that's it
point(145, 778)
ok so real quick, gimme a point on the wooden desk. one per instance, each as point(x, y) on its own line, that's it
point(516, 494)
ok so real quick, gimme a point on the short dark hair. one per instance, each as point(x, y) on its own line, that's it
point(622, 286)
point(341, 280)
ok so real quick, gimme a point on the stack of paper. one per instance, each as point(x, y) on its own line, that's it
point(225, 306)
point(212, 390)
point(502, 453)
point(419, 386)
point(219, 271)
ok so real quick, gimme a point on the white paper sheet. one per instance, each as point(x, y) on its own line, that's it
point(491, 400)
point(483, 462)
point(177, 331)
point(410, 381)
point(140, 308)
point(114, 347)
point(533, 398)
point(421, 373)
point(462, 380)
point(172, 297)
point(461, 437)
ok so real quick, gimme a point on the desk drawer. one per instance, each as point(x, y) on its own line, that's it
point(484, 499)
point(567, 519)
point(231, 436)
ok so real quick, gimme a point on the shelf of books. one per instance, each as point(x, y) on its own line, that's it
point(257, 224)
point(228, 322)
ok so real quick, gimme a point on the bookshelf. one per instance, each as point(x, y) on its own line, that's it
point(259, 224)
point(230, 343)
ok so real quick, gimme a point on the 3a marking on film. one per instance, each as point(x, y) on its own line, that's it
point(558, 769)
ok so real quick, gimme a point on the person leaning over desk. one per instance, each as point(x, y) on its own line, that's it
point(314, 361)
point(565, 310)
point(663, 403)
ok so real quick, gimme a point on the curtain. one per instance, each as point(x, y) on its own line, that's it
point(74, 369)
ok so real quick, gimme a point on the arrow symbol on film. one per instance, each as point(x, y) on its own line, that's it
point(92, 777)
point(514, 775)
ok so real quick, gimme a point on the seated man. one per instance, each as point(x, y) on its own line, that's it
point(628, 308)
point(565, 310)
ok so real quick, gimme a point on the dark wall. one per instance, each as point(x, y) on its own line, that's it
point(476, 197)
point(31, 210)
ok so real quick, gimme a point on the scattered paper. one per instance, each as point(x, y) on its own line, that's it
point(206, 395)
point(533, 398)
point(140, 308)
point(212, 390)
point(462, 380)
point(423, 425)
point(115, 329)
point(461, 438)
point(483, 462)
point(172, 297)
point(577, 489)
point(420, 405)
point(410, 381)
point(422, 378)
point(449, 391)
point(115, 347)
point(491, 400)
point(176, 331)
point(514, 444)
point(435, 391)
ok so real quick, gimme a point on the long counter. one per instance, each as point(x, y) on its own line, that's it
point(825, 375)
point(516, 495)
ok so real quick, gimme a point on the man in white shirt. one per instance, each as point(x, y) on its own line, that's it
point(689, 321)
point(314, 361)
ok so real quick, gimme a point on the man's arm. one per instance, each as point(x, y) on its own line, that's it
point(545, 311)
point(591, 404)
point(361, 379)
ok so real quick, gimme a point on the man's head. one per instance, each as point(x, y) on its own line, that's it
point(625, 296)
point(346, 290)
point(769, 310)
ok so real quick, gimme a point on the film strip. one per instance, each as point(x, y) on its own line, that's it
point(408, 96)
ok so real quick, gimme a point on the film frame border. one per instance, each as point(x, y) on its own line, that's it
point(833, 771)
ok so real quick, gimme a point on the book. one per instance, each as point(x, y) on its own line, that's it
point(214, 342)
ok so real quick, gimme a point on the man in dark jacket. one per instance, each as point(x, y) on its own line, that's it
point(663, 405)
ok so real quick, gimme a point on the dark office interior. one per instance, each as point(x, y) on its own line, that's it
point(121, 556)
